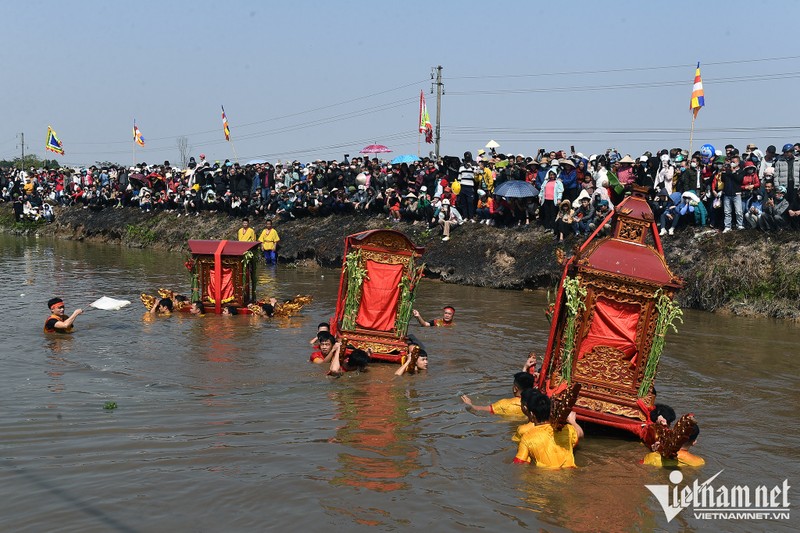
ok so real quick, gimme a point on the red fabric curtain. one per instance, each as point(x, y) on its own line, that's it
point(614, 324)
point(227, 284)
point(379, 295)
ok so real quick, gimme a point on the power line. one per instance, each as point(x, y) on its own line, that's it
point(627, 69)
point(272, 119)
point(319, 122)
point(465, 130)
point(619, 86)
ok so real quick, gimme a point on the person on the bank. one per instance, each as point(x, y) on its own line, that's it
point(328, 347)
point(446, 321)
point(58, 321)
point(446, 217)
point(246, 233)
point(564, 221)
point(269, 240)
point(685, 457)
point(507, 406)
point(162, 307)
point(541, 444)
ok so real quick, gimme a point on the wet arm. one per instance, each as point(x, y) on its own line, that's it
point(334, 353)
point(472, 408)
point(335, 368)
point(68, 322)
point(402, 370)
point(574, 423)
point(523, 454)
point(422, 321)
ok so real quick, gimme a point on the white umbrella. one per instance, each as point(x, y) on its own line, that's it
point(492, 144)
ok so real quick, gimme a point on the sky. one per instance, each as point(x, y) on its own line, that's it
point(316, 80)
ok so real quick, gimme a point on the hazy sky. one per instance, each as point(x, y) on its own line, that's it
point(306, 80)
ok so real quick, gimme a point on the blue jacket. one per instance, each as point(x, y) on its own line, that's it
point(569, 178)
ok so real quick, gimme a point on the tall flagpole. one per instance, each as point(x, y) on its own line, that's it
point(697, 101)
point(419, 125)
point(235, 157)
point(227, 131)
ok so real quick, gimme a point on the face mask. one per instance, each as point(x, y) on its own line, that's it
point(694, 165)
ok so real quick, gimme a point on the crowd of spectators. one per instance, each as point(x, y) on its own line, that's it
point(572, 193)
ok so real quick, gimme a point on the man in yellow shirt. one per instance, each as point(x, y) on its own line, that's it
point(541, 444)
point(246, 233)
point(269, 244)
point(685, 457)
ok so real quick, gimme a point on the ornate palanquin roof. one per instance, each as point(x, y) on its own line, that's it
point(389, 239)
point(199, 247)
point(626, 253)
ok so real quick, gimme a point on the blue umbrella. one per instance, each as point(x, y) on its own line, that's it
point(516, 189)
point(256, 162)
point(407, 158)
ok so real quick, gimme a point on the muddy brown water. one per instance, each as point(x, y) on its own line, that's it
point(222, 425)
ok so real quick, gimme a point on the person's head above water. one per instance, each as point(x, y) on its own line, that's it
point(448, 313)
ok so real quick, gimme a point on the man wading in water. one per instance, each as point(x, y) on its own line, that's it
point(58, 322)
point(446, 320)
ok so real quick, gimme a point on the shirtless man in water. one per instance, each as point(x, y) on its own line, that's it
point(446, 321)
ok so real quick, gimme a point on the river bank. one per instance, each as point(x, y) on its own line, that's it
point(745, 273)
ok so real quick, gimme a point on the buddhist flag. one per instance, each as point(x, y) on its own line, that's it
point(53, 144)
point(698, 98)
point(137, 135)
point(425, 119)
point(225, 127)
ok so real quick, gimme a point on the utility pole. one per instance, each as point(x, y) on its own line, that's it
point(439, 93)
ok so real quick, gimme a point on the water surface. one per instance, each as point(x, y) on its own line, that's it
point(222, 425)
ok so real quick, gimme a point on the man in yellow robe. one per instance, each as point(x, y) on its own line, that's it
point(269, 240)
point(246, 233)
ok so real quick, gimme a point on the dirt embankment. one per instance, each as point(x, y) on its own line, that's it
point(746, 273)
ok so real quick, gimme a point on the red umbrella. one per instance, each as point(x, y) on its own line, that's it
point(375, 149)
